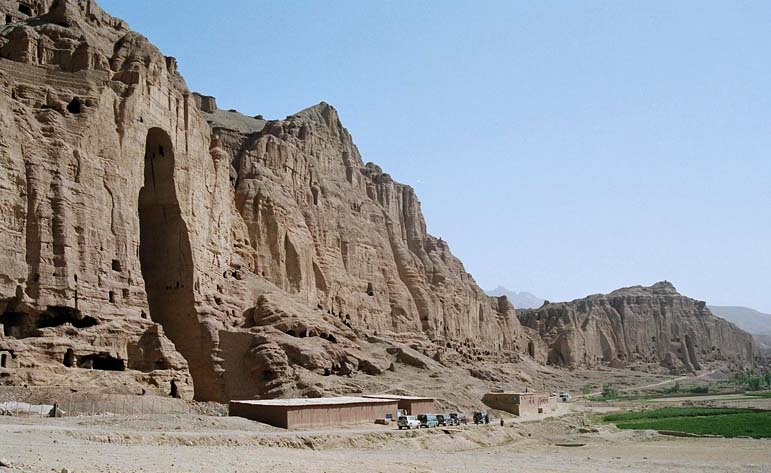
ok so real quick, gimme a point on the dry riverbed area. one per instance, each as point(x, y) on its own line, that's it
point(569, 441)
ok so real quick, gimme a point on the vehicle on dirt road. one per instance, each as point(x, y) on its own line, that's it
point(452, 418)
point(428, 420)
point(479, 417)
point(408, 422)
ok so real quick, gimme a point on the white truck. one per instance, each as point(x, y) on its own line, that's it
point(408, 422)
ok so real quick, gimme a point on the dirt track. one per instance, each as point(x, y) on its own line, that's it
point(187, 443)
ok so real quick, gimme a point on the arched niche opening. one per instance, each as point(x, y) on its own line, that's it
point(69, 358)
point(293, 268)
point(75, 106)
point(166, 260)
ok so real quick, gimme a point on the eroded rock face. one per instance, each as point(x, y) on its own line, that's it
point(89, 111)
point(639, 326)
point(344, 237)
point(14, 11)
point(264, 253)
point(147, 233)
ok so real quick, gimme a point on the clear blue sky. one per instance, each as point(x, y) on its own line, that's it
point(560, 147)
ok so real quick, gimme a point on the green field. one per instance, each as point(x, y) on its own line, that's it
point(766, 395)
point(727, 422)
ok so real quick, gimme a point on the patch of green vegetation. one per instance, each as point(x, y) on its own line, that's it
point(765, 395)
point(666, 412)
point(728, 422)
point(752, 380)
point(609, 392)
point(704, 389)
point(673, 389)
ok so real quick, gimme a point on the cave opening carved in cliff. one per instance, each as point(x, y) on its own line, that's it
point(166, 259)
point(25, 324)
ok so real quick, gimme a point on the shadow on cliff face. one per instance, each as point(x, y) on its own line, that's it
point(167, 264)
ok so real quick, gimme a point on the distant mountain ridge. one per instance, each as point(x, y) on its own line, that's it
point(755, 322)
point(751, 320)
point(651, 328)
point(520, 300)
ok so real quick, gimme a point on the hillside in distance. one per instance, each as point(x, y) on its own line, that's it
point(751, 320)
point(639, 326)
point(520, 300)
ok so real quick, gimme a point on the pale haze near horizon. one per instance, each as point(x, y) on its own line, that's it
point(560, 148)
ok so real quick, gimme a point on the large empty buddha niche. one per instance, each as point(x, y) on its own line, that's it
point(167, 262)
point(293, 272)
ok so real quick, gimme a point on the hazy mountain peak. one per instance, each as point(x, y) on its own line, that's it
point(520, 300)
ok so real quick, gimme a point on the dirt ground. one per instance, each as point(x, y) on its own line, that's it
point(197, 443)
point(150, 434)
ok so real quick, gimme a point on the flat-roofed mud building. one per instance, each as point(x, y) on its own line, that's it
point(315, 412)
point(412, 404)
point(520, 403)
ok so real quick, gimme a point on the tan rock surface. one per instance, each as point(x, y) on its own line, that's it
point(239, 257)
point(264, 250)
point(639, 326)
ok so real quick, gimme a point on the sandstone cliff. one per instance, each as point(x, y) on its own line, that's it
point(348, 239)
point(639, 326)
point(146, 233)
point(265, 253)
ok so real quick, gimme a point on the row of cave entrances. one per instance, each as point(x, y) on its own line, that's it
point(94, 361)
point(25, 325)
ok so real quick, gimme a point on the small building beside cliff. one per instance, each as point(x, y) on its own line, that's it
point(520, 403)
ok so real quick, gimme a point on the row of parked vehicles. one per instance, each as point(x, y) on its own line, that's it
point(430, 420)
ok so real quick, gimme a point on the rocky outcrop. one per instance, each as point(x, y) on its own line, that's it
point(345, 237)
point(16, 11)
point(639, 326)
point(146, 233)
point(108, 187)
point(265, 253)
